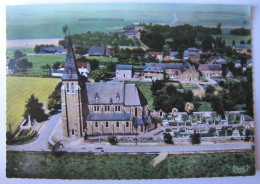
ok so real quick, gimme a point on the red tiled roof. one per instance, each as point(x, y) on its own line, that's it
point(156, 53)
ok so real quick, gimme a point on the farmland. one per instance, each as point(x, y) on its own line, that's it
point(229, 38)
point(89, 166)
point(19, 89)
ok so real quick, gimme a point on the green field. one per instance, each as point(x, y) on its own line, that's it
point(40, 60)
point(19, 89)
point(204, 106)
point(114, 166)
point(230, 38)
point(10, 52)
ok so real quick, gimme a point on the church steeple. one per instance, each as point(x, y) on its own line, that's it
point(71, 72)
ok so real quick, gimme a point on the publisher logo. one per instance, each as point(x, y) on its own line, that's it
point(240, 169)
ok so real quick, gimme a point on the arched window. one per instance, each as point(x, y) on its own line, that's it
point(96, 124)
point(106, 124)
point(117, 124)
point(127, 124)
point(68, 87)
point(72, 88)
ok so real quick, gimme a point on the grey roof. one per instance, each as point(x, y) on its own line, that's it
point(51, 49)
point(215, 67)
point(97, 51)
point(109, 117)
point(133, 96)
point(185, 67)
point(172, 54)
point(140, 121)
point(164, 65)
point(216, 60)
point(248, 118)
point(124, 67)
point(156, 69)
point(242, 46)
point(105, 92)
point(70, 71)
point(114, 93)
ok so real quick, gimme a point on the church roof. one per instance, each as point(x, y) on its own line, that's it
point(70, 70)
point(114, 93)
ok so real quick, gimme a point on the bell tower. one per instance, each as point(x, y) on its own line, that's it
point(72, 121)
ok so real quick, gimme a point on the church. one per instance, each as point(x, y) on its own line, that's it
point(100, 108)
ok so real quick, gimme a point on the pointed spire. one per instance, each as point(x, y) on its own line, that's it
point(70, 70)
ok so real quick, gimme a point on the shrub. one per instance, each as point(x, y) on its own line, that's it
point(168, 138)
point(112, 140)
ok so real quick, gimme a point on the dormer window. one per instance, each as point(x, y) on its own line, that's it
point(111, 100)
point(96, 96)
point(117, 97)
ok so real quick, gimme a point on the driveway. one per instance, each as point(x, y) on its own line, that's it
point(41, 143)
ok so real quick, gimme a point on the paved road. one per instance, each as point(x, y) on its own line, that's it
point(79, 145)
point(41, 143)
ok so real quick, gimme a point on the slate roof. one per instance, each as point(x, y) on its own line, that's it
point(217, 60)
point(173, 54)
point(215, 67)
point(206, 67)
point(114, 93)
point(248, 118)
point(140, 121)
point(242, 46)
point(109, 117)
point(159, 67)
point(51, 49)
point(133, 96)
point(70, 71)
point(97, 51)
point(124, 67)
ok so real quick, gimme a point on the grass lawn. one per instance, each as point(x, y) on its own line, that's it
point(145, 88)
point(230, 38)
point(190, 86)
point(40, 60)
point(113, 166)
point(204, 106)
point(19, 89)
point(10, 52)
point(102, 59)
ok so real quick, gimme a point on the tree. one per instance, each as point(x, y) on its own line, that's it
point(56, 65)
point(46, 67)
point(54, 100)
point(112, 140)
point(35, 109)
point(195, 138)
point(242, 42)
point(157, 85)
point(168, 138)
point(65, 29)
point(23, 64)
point(115, 47)
point(99, 74)
point(219, 28)
point(80, 50)
point(111, 67)
point(18, 54)
point(94, 64)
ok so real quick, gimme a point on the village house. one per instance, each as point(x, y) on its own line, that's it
point(172, 71)
point(124, 72)
point(133, 31)
point(100, 107)
point(242, 48)
point(157, 55)
point(247, 121)
point(99, 51)
point(52, 50)
point(211, 70)
point(216, 60)
point(83, 68)
point(193, 54)
point(238, 63)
